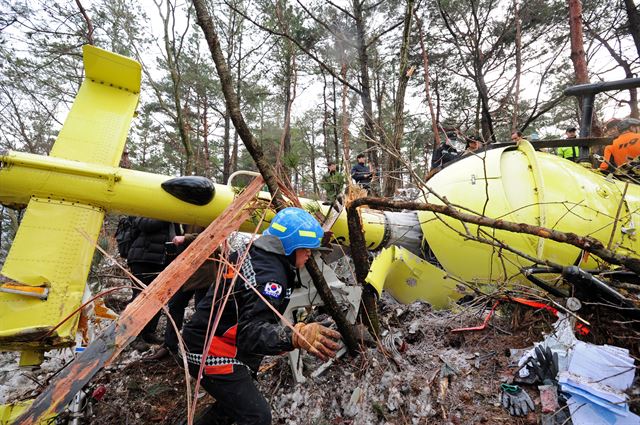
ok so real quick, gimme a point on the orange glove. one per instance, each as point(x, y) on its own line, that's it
point(316, 339)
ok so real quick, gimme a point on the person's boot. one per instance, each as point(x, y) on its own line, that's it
point(210, 415)
point(139, 344)
point(159, 354)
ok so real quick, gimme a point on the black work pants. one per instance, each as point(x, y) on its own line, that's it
point(177, 305)
point(237, 399)
point(146, 272)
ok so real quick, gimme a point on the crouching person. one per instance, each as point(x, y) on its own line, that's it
point(248, 329)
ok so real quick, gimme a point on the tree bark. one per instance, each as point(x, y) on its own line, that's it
point(85, 16)
point(427, 84)
point(360, 256)
point(345, 120)
point(518, 40)
point(205, 136)
point(325, 119)
point(174, 72)
point(404, 73)
point(226, 144)
point(334, 115)
point(578, 57)
point(365, 83)
point(634, 22)
point(628, 72)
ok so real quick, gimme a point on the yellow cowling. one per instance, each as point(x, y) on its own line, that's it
point(524, 186)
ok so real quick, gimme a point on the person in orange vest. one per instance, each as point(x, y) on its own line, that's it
point(625, 147)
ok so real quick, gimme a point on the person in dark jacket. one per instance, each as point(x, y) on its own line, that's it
point(248, 329)
point(146, 259)
point(195, 287)
point(445, 152)
point(361, 173)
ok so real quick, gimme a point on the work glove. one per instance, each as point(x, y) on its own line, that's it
point(316, 339)
point(545, 365)
point(516, 401)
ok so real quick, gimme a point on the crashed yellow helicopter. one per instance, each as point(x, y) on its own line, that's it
point(67, 193)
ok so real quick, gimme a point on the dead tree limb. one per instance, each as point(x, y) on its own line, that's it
point(86, 18)
point(586, 243)
point(360, 256)
point(264, 165)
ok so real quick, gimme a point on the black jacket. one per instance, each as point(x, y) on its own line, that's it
point(443, 154)
point(248, 329)
point(148, 246)
point(361, 173)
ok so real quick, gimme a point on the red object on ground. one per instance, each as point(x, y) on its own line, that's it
point(99, 392)
point(580, 327)
point(484, 324)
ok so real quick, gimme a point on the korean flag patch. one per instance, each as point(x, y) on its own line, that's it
point(273, 290)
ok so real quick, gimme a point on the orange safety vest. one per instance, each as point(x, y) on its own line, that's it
point(623, 149)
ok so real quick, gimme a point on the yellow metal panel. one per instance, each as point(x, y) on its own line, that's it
point(96, 128)
point(49, 250)
point(10, 412)
point(111, 69)
point(408, 278)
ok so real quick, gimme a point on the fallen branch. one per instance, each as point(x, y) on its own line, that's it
point(586, 243)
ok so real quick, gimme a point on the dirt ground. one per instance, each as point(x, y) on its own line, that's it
point(426, 374)
point(433, 376)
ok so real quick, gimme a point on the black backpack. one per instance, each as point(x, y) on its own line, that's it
point(125, 235)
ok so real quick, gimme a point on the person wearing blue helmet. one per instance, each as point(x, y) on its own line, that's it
point(248, 329)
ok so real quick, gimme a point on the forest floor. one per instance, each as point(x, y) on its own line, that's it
point(435, 376)
point(428, 374)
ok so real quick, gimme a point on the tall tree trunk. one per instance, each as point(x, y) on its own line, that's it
point(628, 72)
point(234, 151)
point(205, 137)
point(404, 73)
point(486, 122)
point(634, 22)
point(516, 94)
point(427, 91)
point(365, 84)
point(325, 119)
point(286, 128)
point(289, 88)
point(181, 119)
point(345, 118)
point(312, 150)
point(578, 57)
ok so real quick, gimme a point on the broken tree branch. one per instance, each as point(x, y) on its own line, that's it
point(586, 243)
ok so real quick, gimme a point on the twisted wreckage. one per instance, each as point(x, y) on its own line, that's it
point(424, 255)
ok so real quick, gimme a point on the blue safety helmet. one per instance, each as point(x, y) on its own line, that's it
point(295, 228)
